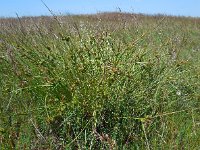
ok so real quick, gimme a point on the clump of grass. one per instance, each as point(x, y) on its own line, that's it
point(82, 84)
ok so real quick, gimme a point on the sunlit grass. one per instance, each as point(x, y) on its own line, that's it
point(91, 82)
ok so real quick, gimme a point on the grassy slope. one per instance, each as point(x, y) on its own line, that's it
point(108, 81)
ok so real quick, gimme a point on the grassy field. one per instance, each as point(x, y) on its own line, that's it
point(104, 81)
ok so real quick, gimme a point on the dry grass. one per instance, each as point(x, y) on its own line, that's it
point(104, 81)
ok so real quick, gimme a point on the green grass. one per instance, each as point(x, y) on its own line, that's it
point(94, 82)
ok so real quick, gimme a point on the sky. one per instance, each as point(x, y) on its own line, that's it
point(9, 8)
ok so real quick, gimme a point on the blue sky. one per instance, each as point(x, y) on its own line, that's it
point(35, 7)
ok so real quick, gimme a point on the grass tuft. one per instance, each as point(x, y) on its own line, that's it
point(105, 81)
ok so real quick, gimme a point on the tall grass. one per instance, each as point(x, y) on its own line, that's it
point(93, 82)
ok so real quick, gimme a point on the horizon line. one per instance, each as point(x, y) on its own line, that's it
point(98, 12)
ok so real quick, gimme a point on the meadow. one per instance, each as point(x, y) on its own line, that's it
point(104, 81)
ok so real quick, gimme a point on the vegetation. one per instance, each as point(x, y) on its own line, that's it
point(104, 81)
